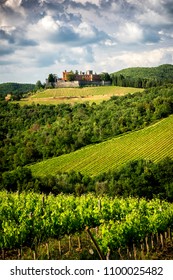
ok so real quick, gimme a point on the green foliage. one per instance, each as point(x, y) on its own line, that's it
point(51, 78)
point(144, 77)
point(30, 219)
point(42, 132)
point(14, 89)
point(38, 85)
point(137, 178)
point(71, 76)
point(152, 142)
point(105, 76)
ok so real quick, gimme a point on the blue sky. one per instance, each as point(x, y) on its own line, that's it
point(38, 37)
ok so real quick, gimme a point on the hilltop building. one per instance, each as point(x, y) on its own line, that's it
point(77, 79)
point(88, 76)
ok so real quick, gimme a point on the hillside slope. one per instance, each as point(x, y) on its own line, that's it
point(164, 71)
point(152, 143)
point(15, 89)
point(143, 77)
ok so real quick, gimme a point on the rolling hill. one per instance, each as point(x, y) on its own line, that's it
point(152, 143)
point(6, 88)
point(164, 71)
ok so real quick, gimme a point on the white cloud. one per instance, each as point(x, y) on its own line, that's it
point(139, 59)
point(13, 3)
point(129, 33)
point(85, 30)
point(48, 24)
point(153, 18)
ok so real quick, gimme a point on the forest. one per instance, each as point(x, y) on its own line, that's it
point(16, 90)
point(143, 77)
point(45, 131)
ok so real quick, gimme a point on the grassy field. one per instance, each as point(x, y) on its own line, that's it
point(73, 95)
point(152, 143)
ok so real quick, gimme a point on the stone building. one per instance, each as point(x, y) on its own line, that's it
point(78, 79)
point(82, 76)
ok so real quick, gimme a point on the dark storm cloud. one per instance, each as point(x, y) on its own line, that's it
point(76, 38)
point(76, 5)
point(151, 36)
point(4, 50)
point(7, 37)
point(16, 38)
point(26, 42)
point(168, 5)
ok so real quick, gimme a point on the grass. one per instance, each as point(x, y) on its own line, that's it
point(152, 143)
point(73, 95)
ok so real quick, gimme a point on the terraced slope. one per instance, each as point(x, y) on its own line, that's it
point(154, 142)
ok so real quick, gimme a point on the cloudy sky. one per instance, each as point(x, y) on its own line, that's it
point(38, 37)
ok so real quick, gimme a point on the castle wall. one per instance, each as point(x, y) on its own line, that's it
point(61, 83)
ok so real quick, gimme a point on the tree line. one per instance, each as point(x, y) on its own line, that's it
point(138, 178)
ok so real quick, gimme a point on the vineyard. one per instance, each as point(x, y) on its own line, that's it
point(114, 224)
point(151, 143)
point(73, 95)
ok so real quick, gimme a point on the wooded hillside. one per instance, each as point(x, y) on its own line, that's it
point(143, 77)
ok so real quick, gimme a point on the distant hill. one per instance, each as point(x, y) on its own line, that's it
point(15, 88)
point(144, 76)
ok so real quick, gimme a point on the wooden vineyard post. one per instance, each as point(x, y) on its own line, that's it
point(157, 238)
point(69, 242)
point(19, 255)
point(95, 243)
point(119, 252)
point(79, 243)
point(142, 251)
point(134, 252)
point(146, 243)
point(3, 254)
point(59, 247)
point(169, 233)
point(152, 241)
point(108, 254)
point(161, 240)
point(165, 235)
point(47, 249)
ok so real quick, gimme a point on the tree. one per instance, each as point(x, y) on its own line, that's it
point(38, 85)
point(52, 79)
point(105, 77)
point(70, 76)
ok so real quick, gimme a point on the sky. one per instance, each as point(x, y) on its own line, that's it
point(39, 37)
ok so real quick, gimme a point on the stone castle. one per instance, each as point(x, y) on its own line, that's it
point(78, 79)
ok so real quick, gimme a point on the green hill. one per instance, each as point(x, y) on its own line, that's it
point(144, 76)
point(15, 88)
point(164, 71)
point(151, 143)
